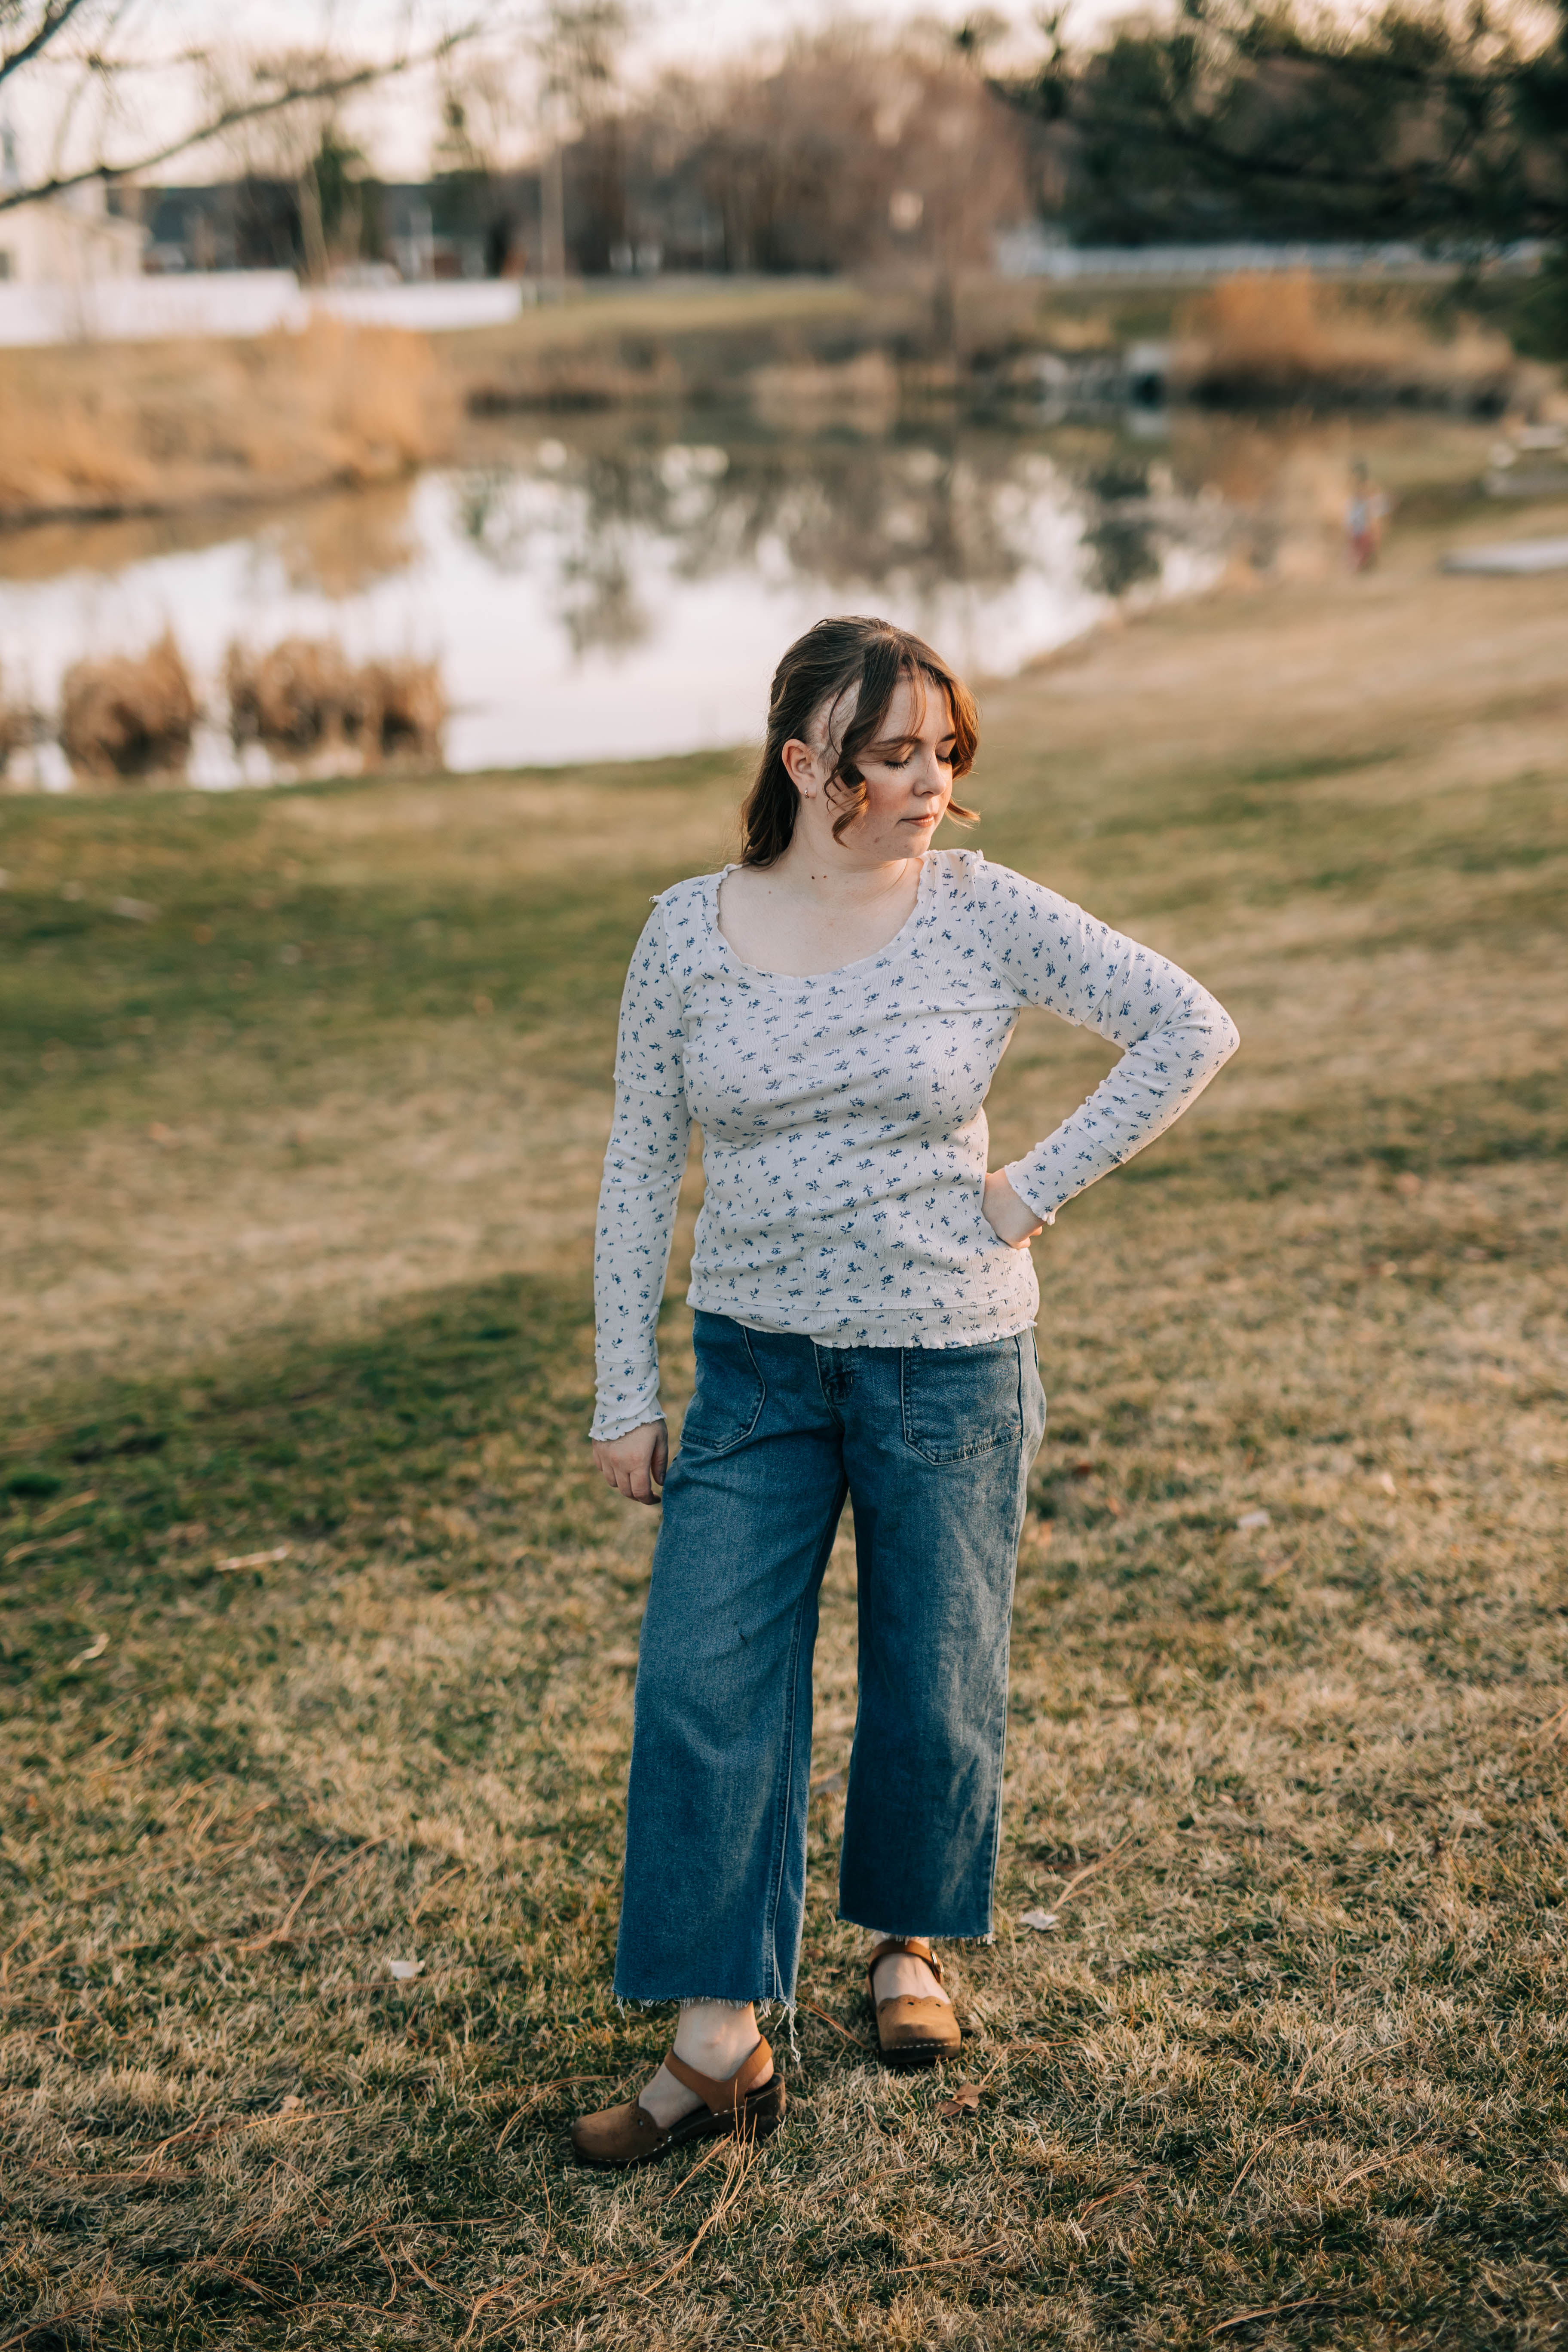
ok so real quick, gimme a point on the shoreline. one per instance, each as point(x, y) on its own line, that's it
point(103, 433)
point(1425, 554)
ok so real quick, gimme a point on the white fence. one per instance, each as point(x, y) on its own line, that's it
point(1030, 253)
point(241, 302)
point(261, 301)
point(436, 306)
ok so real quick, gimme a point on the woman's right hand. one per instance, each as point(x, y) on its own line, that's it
point(1011, 1220)
point(635, 1465)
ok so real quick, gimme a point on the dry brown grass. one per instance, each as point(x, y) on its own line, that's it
point(150, 427)
point(130, 717)
point(1289, 2068)
point(1260, 340)
point(305, 701)
point(16, 724)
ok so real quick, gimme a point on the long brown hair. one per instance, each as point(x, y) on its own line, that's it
point(868, 658)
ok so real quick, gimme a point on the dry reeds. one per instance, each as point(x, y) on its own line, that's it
point(409, 703)
point(296, 699)
point(1260, 340)
point(16, 726)
point(374, 401)
point(152, 427)
point(304, 702)
point(129, 717)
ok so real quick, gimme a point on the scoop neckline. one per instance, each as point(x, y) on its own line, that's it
point(834, 971)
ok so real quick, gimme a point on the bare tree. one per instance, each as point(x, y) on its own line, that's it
point(852, 151)
point(578, 50)
point(88, 42)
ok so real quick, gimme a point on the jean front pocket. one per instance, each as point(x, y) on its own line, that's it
point(730, 1391)
point(960, 1402)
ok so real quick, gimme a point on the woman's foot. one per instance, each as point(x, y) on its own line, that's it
point(915, 2023)
point(685, 2102)
point(904, 1976)
point(714, 2040)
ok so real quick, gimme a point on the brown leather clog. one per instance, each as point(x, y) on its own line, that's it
point(912, 2031)
point(627, 2134)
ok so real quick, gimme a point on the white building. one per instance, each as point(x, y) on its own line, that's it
point(65, 240)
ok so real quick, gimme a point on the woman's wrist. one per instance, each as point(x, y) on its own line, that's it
point(626, 1429)
point(1010, 1218)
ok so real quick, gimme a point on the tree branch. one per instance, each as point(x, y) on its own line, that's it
point(56, 15)
point(246, 110)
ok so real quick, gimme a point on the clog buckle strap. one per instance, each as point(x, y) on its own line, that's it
point(722, 2098)
point(918, 1948)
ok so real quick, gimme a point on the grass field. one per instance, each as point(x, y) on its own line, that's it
point(319, 1638)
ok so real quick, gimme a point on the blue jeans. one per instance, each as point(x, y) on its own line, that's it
point(933, 1445)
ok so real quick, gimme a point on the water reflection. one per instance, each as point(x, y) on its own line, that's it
point(343, 542)
point(606, 595)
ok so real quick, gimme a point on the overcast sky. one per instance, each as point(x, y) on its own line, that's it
point(395, 125)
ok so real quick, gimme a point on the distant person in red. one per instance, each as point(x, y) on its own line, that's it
point(1366, 511)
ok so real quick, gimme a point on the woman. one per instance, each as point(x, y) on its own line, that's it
point(831, 1011)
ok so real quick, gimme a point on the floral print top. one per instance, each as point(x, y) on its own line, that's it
point(843, 1117)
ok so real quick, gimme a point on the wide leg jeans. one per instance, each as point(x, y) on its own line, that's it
point(933, 1447)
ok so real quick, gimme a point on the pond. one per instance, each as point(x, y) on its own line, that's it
point(621, 589)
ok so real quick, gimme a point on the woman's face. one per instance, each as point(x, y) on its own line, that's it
point(907, 772)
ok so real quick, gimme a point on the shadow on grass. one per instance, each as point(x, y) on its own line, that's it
point(291, 1444)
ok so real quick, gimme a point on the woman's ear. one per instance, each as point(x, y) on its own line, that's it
point(803, 766)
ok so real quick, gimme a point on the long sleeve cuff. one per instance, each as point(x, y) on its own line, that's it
point(1029, 1191)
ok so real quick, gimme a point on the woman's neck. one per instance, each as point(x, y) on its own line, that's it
point(806, 913)
point(825, 872)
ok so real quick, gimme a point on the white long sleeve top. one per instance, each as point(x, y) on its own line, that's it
point(843, 1117)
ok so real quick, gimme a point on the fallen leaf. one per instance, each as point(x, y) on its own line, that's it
point(1385, 1481)
point(291, 2104)
point(255, 1559)
point(1041, 1921)
point(407, 1970)
point(965, 2101)
point(1253, 1520)
point(93, 1650)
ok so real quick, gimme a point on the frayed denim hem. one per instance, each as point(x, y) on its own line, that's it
point(690, 2000)
point(766, 2004)
point(925, 1935)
